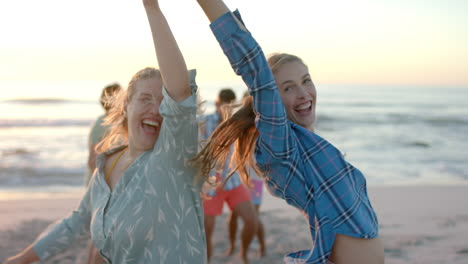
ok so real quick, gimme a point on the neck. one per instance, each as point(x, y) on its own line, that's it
point(133, 153)
point(310, 128)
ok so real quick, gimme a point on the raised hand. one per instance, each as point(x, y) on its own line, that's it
point(171, 62)
point(152, 4)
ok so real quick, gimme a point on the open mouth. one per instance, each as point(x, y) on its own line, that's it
point(304, 108)
point(150, 126)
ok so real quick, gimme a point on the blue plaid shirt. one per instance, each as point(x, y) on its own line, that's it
point(301, 167)
point(208, 124)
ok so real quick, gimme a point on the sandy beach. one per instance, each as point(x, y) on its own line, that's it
point(419, 224)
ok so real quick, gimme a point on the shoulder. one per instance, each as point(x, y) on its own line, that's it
point(100, 118)
point(99, 121)
point(97, 128)
point(108, 156)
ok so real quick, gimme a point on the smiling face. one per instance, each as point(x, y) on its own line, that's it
point(297, 92)
point(144, 119)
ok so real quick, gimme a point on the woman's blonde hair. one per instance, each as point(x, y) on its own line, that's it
point(238, 129)
point(116, 118)
point(276, 60)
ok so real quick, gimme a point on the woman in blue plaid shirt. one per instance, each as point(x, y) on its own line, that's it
point(276, 125)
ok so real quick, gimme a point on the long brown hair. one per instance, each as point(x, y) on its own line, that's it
point(239, 129)
point(116, 118)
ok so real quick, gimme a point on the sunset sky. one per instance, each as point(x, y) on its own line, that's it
point(56, 48)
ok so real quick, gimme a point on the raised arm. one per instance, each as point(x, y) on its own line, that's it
point(171, 62)
point(249, 62)
point(213, 8)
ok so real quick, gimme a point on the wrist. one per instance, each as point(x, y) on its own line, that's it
point(28, 255)
point(151, 5)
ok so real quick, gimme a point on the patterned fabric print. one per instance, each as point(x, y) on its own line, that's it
point(154, 213)
point(300, 166)
point(208, 124)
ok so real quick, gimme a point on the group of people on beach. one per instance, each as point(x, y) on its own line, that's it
point(152, 197)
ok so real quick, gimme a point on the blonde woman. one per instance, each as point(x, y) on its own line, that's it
point(142, 204)
point(275, 124)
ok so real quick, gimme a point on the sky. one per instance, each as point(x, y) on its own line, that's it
point(56, 48)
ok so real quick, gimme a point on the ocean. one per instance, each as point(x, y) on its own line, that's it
point(395, 135)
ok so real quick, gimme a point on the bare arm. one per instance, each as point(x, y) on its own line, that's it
point(171, 62)
point(26, 256)
point(213, 8)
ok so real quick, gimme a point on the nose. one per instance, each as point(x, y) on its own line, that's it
point(302, 92)
point(154, 108)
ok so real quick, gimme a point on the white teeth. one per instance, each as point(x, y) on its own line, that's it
point(150, 123)
point(304, 106)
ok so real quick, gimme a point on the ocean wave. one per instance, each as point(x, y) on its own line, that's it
point(34, 101)
point(419, 144)
point(28, 176)
point(380, 104)
point(9, 123)
point(17, 152)
point(442, 121)
point(322, 119)
point(394, 118)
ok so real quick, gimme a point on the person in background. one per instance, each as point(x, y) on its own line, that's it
point(99, 130)
point(143, 204)
point(256, 191)
point(273, 133)
point(231, 189)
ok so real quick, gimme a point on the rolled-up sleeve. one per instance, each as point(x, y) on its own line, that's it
point(179, 131)
point(248, 61)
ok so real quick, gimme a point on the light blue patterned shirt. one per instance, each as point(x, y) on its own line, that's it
point(154, 213)
point(300, 166)
point(208, 124)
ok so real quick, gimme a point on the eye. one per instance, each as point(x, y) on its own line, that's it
point(307, 81)
point(288, 88)
point(145, 100)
